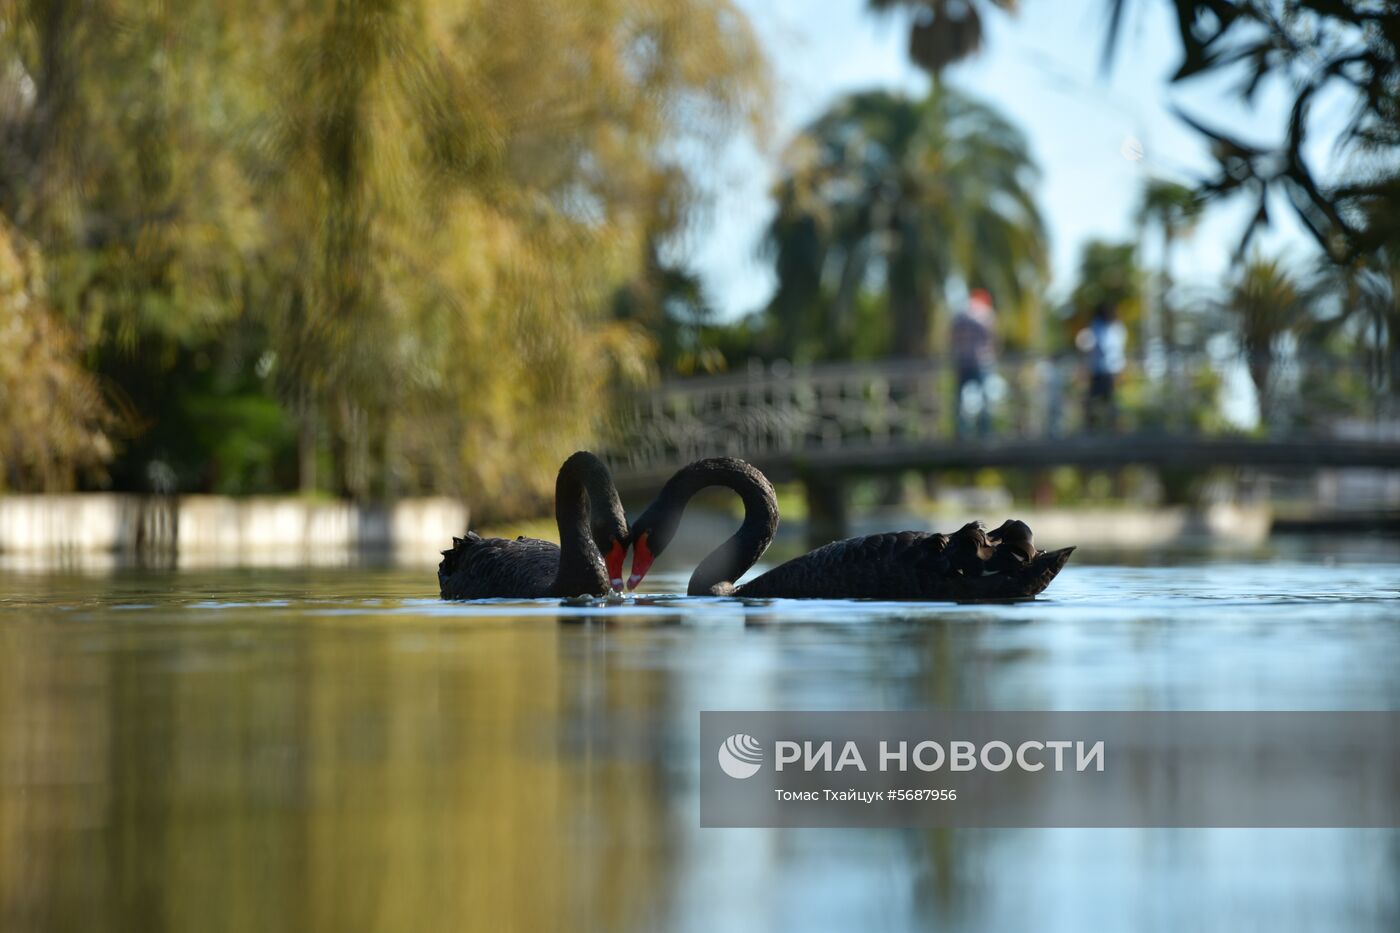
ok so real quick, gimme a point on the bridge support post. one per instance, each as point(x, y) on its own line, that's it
point(826, 508)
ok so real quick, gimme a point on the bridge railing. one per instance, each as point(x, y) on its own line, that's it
point(764, 412)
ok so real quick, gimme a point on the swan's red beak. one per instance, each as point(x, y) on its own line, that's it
point(641, 561)
point(614, 561)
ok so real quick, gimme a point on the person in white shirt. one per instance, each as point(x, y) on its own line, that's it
point(1105, 345)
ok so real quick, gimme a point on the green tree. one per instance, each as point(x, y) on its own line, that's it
point(1365, 301)
point(1173, 210)
point(1267, 306)
point(904, 195)
point(113, 121)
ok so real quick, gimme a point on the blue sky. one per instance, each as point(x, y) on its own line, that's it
point(1041, 68)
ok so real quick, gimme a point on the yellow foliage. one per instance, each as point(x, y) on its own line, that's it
point(54, 421)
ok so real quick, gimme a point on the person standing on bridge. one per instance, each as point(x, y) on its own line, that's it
point(1104, 343)
point(974, 352)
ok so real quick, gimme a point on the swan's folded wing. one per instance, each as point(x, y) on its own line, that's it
point(486, 568)
point(892, 565)
point(900, 565)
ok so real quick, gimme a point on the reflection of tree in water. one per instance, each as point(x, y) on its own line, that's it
point(615, 747)
point(143, 764)
point(329, 778)
point(54, 741)
point(458, 808)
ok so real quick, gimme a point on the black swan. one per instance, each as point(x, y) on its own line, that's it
point(968, 565)
point(591, 523)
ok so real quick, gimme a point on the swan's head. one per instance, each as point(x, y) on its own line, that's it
point(642, 557)
point(614, 558)
point(650, 534)
point(1014, 538)
point(654, 529)
point(610, 533)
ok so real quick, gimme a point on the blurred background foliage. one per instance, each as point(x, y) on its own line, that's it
point(55, 421)
point(1304, 50)
point(894, 200)
point(387, 247)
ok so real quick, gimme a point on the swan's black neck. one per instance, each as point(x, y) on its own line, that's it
point(581, 568)
point(728, 562)
point(607, 519)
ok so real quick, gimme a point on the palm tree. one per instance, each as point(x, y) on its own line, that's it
point(1267, 305)
point(943, 31)
point(1367, 297)
point(904, 194)
point(1173, 209)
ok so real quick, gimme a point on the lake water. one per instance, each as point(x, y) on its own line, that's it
point(337, 750)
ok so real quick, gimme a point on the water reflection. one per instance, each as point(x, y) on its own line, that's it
point(329, 750)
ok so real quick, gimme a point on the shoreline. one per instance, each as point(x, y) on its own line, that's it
point(217, 531)
point(112, 530)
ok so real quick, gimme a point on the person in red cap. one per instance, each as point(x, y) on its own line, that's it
point(974, 352)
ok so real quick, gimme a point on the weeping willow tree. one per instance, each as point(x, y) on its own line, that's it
point(462, 190)
point(398, 222)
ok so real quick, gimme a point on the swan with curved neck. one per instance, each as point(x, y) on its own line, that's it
point(716, 574)
point(968, 565)
point(591, 524)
